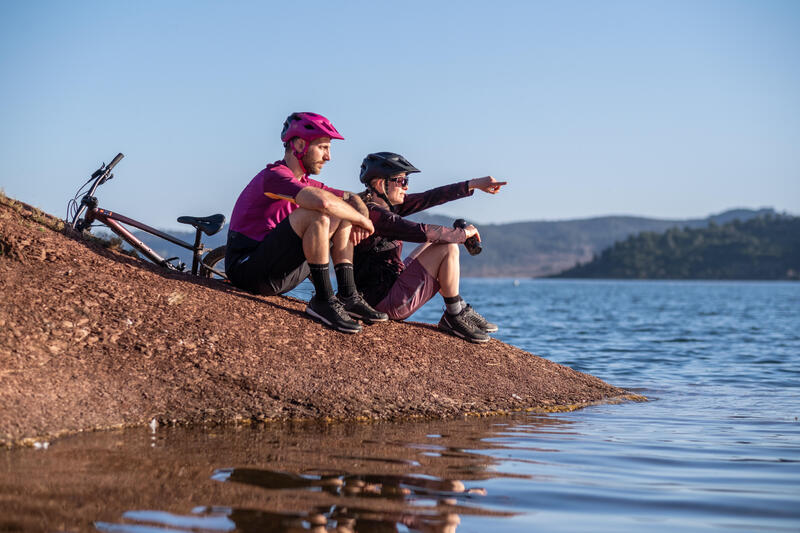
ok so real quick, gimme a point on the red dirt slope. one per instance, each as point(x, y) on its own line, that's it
point(91, 338)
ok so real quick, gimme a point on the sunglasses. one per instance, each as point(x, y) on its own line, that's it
point(403, 182)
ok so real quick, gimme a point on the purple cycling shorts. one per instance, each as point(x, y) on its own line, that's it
point(412, 290)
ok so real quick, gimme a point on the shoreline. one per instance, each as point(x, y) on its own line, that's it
point(45, 440)
point(93, 339)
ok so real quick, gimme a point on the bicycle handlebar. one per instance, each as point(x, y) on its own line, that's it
point(98, 177)
point(114, 162)
point(104, 169)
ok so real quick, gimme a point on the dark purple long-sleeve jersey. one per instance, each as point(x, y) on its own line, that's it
point(378, 261)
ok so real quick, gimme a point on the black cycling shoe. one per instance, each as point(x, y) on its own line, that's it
point(479, 321)
point(331, 313)
point(460, 325)
point(357, 308)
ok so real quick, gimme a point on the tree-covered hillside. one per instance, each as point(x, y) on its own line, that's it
point(543, 248)
point(766, 247)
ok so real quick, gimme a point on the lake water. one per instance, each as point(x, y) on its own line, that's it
point(717, 447)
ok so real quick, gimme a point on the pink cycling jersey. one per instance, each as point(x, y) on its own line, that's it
point(268, 199)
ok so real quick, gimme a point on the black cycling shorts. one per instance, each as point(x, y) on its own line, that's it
point(274, 266)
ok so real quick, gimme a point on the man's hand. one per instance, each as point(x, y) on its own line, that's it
point(364, 229)
point(358, 234)
point(361, 229)
point(487, 184)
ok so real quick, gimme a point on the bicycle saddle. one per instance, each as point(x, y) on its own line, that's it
point(208, 225)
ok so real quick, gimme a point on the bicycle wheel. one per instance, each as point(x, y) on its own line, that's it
point(214, 259)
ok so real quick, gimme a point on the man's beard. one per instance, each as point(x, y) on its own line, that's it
point(311, 166)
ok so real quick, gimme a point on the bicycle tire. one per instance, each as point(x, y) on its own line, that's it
point(211, 260)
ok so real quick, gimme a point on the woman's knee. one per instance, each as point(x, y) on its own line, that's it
point(451, 250)
point(442, 249)
point(434, 255)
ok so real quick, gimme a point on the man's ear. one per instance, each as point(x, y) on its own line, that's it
point(298, 144)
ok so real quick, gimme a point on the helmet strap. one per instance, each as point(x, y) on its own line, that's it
point(300, 155)
point(383, 196)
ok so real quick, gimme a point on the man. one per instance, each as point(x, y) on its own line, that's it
point(286, 225)
point(399, 288)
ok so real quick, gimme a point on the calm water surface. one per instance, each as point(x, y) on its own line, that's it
point(716, 448)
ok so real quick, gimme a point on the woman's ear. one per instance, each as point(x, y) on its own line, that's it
point(379, 185)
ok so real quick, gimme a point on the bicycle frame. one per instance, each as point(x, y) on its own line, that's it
point(114, 221)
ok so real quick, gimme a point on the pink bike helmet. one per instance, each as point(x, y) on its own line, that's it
point(308, 126)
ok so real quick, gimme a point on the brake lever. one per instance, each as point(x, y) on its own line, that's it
point(99, 171)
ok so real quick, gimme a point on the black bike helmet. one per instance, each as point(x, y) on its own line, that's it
point(384, 165)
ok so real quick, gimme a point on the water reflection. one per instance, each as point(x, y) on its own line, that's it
point(442, 496)
point(405, 488)
point(335, 520)
point(346, 478)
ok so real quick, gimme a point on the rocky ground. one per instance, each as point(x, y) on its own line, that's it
point(91, 338)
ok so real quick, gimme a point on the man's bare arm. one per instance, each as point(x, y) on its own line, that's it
point(357, 203)
point(330, 204)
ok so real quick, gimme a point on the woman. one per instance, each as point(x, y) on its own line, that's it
point(398, 287)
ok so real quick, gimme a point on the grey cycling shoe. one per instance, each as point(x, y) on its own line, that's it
point(479, 321)
point(331, 312)
point(462, 326)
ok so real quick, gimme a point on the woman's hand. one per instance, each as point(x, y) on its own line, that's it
point(472, 231)
point(487, 184)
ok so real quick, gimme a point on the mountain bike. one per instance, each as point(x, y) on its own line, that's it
point(83, 211)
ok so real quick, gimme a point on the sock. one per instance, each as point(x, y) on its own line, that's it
point(453, 304)
point(321, 278)
point(345, 279)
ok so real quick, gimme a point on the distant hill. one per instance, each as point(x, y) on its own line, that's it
point(542, 248)
point(766, 247)
point(522, 249)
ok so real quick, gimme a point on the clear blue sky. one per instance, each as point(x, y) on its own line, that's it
point(670, 109)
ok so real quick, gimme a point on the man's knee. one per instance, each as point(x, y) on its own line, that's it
point(339, 226)
point(303, 219)
point(323, 221)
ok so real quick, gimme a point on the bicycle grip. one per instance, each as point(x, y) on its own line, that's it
point(114, 162)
